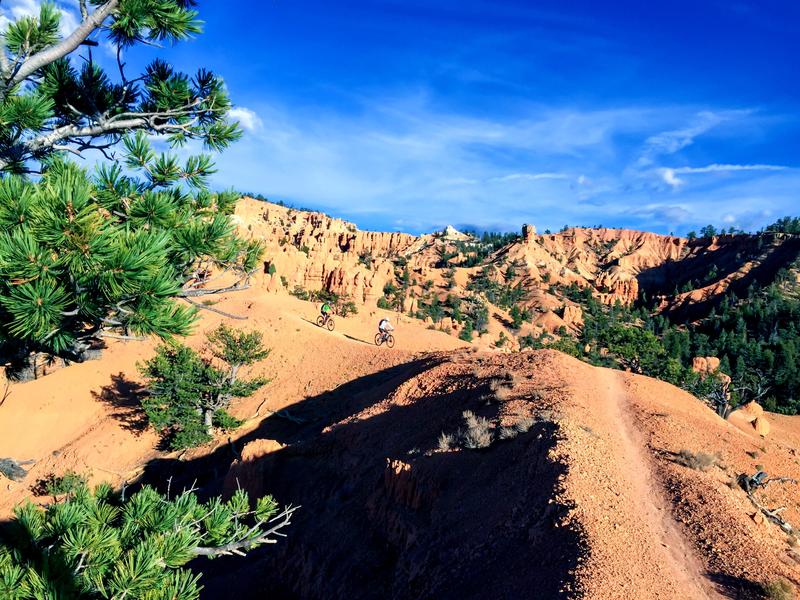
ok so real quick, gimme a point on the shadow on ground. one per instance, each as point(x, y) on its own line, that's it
point(384, 515)
point(125, 397)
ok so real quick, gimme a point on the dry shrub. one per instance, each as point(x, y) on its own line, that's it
point(779, 589)
point(524, 424)
point(507, 433)
point(504, 394)
point(521, 425)
point(699, 461)
point(477, 433)
point(447, 441)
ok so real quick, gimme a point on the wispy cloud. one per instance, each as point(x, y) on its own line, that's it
point(672, 141)
point(671, 177)
point(529, 176)
point(399, 162)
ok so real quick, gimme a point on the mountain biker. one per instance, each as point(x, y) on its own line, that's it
point(385, 327)
point(325, 310)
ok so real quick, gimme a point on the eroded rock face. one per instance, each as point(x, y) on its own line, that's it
point(247, 473)
point(705, 365)
point(761, 425)
point(573, 315)
point(313, 251)
point(751, 416)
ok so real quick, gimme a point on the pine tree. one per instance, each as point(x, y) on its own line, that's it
point(55, 97)
point(188, 393)
point(85, 256)
point(98, 544)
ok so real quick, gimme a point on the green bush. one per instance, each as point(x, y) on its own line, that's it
point(186, 390)
point(57, 485)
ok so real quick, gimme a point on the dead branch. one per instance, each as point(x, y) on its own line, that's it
point(214, 310)
point(266, 537)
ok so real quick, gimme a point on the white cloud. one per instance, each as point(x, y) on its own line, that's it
point(721, 168)
point(248, 119)
point(399, 162)
point(670, 176)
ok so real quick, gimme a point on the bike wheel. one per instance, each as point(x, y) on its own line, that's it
point(390, 341)
point(330, 325)
point(378, 339)
point(320, 321)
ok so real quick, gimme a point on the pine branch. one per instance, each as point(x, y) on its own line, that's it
point(62, 49)
point(236, 547)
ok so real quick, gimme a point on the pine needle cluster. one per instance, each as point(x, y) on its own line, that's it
point(85, 255)
point(97, 544)
point(54, 97)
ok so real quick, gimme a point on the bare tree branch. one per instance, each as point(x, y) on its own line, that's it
point(283, 520)
point(202, 292)
point(214, 310)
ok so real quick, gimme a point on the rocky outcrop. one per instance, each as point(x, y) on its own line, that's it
point(247, 471)
point(709, 366)
point(573, 315)
point(751, 417)
point(705, 365)
point(313, 251)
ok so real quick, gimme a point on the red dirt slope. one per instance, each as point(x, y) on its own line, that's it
point(588, 503)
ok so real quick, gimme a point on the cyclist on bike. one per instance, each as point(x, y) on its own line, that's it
point(325, 310)
point(385, 327)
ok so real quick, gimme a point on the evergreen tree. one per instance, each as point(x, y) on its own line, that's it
point(85, 256)
point(98, 544)
point(54, 97)
point(82, 257)
point(188, 393)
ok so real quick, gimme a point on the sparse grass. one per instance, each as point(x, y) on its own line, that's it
point(521, 425)
point(699, 461)
point(778, 589)
point(507, 433)
point(503, 394)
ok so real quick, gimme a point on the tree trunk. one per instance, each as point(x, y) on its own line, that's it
point(208, 420)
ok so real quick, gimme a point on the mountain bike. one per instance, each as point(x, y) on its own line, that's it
point(382, 337)
point(326, 321)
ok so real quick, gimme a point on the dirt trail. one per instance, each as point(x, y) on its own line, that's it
point(674, 553)
point(637, 550)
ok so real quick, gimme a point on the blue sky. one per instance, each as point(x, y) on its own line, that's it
point(409, 115)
